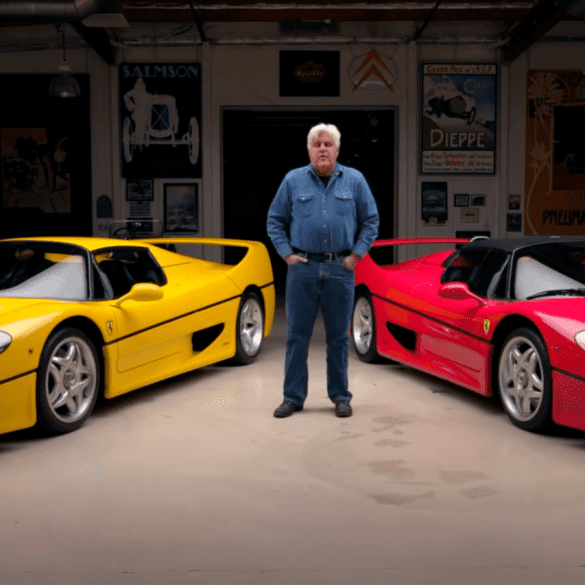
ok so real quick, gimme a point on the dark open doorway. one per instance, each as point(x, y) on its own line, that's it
point(260, 147)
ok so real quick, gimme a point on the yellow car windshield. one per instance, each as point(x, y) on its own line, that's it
point(42, 270)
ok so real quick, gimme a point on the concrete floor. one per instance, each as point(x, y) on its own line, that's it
point(194, 481)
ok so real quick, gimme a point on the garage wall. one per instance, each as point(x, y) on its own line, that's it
point(247, 76)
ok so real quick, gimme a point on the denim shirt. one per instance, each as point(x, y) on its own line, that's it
point(313, 218)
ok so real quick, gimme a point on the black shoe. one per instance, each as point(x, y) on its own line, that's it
point(343, 409)
point(286, 409)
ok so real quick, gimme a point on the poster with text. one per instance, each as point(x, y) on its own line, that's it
point(554, 201)
point(160, 114)
point(458, 126)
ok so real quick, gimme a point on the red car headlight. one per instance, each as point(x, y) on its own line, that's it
point(5, 340)
point(580, 339)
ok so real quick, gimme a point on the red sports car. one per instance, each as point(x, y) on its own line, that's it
point(498, 316)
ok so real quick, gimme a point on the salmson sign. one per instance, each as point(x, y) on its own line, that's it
point(458, 118)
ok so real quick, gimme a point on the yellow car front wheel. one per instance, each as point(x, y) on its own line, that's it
point(249, 329)
point(67, 381)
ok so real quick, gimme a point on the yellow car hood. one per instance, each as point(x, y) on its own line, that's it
point(23, 316)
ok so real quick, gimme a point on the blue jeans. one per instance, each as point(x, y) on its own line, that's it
point(311, 285)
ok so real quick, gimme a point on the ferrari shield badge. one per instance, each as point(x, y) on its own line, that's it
point(486, 326)
point(110, 326)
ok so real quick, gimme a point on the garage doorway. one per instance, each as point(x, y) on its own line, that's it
point(260, 147)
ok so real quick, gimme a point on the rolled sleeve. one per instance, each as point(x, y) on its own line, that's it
point(279, 216)
point(368, 219)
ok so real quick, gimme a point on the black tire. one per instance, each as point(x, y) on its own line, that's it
point(68, 381)
point(363, 328)
point(249, 329)
point(524, 380)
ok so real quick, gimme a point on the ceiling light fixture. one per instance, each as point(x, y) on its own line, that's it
point(64, 85)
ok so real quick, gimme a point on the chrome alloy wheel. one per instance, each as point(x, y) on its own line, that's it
point(71, 380)
point(362, 325)
point(521, 378)
point(251, 326)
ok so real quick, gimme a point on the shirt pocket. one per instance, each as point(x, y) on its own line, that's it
point(344, 203)
point(304, 205)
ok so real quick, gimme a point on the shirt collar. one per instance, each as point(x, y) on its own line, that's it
point(338, 170)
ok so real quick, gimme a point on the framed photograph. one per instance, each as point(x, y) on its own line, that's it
point(461, 199)
point(513, 202)
point(514, 222)
point(181, 202)
point(139, 190)
point(470, 215)
point(478, 200)
point(434, 202)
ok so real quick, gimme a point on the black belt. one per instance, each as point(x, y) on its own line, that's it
point(323, 257)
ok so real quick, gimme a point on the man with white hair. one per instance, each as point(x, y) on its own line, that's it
point(322, 220)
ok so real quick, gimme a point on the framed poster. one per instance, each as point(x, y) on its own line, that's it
point(139, 190)
point(160, 111)
point(309, 73)
point(45, 159)
point(458, 118)
point(434, 202)
point(181, 202)
point(555, 154)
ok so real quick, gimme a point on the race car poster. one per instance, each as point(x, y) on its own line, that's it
point(160, 114)
point(458, 126)
point(555, 154)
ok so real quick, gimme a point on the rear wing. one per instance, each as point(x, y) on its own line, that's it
point(382, 254)
point(400, 241)
point(246, 257)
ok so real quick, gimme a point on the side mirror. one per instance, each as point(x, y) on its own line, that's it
point(458, 291)
point(141, 291)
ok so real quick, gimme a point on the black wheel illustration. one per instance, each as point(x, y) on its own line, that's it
point(363, 328)
point(127, 144)
point(68, 381)
point(193, 141)
point(524, 380)
point(249, 329)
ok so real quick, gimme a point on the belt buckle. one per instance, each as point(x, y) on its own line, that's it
point(330, 256)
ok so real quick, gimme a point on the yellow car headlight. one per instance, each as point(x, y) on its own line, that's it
point(5, 340)
point(580, 339)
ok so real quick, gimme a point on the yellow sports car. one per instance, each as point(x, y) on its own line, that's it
point(84, 316)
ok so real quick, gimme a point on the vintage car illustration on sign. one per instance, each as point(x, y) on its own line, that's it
point(154, 119)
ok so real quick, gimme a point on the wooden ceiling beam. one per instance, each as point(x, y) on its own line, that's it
point(98, 40)
point(146, 15)
point(541, 19)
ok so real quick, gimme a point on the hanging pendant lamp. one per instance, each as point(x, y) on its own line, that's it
point(64, 85)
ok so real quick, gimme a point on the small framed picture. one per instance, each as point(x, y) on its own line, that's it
point(513, 202)
point(181, 201)
point(434, 202)
point(139, 190)
point(478, 200)
point(470, 215)
point(514, 222)
point(461, 199)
